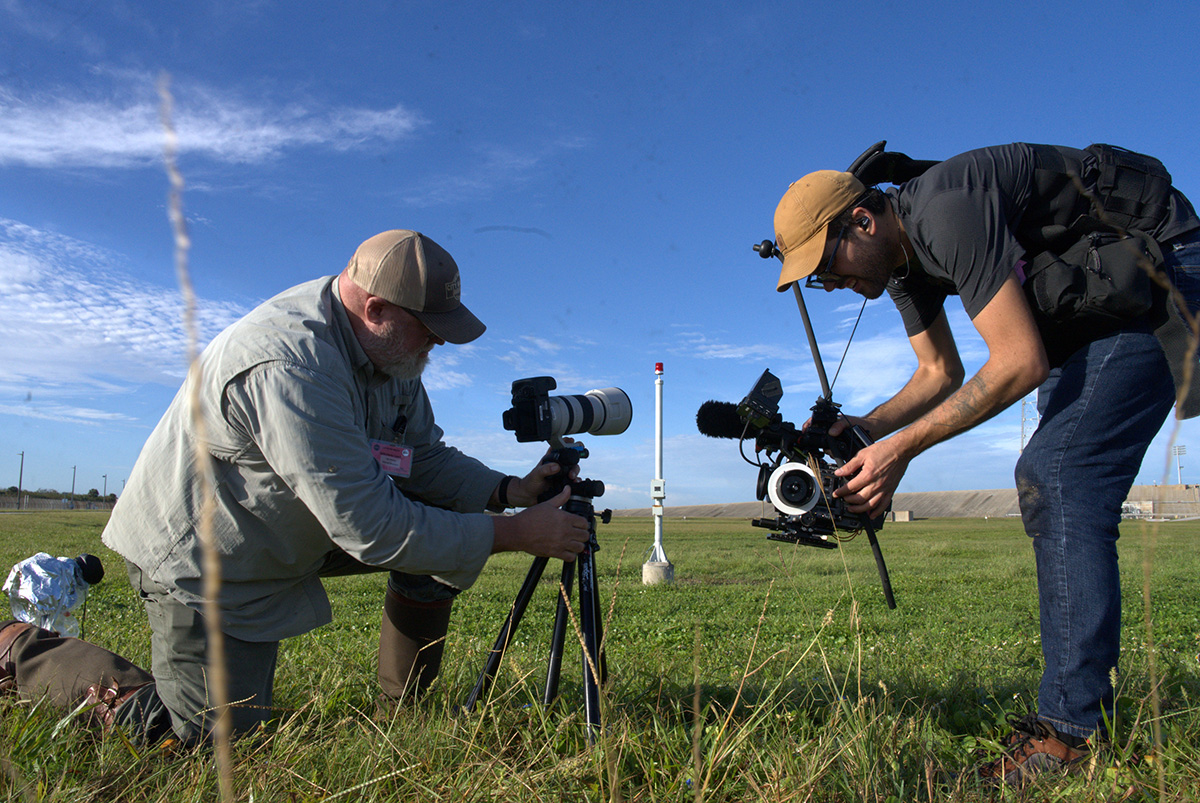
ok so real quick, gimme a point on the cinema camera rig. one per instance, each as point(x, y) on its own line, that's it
point(796, 468)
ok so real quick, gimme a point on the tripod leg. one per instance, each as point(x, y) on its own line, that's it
point(506, 631)
point(602, 663)
point(554, 665)
point(591, 640)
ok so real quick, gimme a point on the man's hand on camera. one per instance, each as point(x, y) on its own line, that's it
point(544, 530)
point(844, 422)
point(524, 492)
point(874, 474)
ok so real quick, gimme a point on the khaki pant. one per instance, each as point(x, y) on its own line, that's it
point(174, 698)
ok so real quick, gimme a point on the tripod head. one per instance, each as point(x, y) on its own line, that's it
point(568, 456)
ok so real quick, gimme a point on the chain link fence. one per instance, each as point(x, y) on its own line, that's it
point(28, 502)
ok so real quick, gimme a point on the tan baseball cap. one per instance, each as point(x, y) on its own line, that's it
point(802, 220)
point(412, 271)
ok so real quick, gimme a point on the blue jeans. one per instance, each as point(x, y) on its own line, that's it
point(1099, 412)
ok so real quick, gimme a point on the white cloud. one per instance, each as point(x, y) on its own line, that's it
point(874, 370)
point(695, 344)
point(70, 317)
point(491, 167)
point(64, 413)
point(439, 378)
point(536, 356)
point(539, 345)
point(71, 129)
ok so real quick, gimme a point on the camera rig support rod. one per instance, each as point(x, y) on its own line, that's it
point(826, 391)
point(766, 249)
point(884, 580)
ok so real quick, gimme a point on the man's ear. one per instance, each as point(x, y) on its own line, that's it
point(374, 310)
point(863, 219)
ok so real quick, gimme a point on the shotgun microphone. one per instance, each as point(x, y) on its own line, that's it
point(720, 420)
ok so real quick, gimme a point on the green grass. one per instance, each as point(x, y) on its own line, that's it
point(765, 672)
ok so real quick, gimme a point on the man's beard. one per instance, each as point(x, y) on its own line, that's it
point(406, 366)
point(878, 263)
point(391, 358)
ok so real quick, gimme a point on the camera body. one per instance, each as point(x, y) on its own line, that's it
point(796, 471)
point(535, 415)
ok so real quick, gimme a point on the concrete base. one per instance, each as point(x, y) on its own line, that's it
point(655, 572)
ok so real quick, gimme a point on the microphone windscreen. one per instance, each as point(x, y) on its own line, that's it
point(720, 420)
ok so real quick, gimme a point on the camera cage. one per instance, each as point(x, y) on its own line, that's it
point(796, 468)
point(796, 471)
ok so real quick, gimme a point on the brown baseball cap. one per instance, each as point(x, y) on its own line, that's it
point(802, 220)
point(411, 271)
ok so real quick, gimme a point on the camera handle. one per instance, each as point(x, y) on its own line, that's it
point(590, 621)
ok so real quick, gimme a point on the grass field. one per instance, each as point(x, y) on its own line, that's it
point(765, 672)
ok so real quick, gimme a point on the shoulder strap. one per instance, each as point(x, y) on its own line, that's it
point(1133, 187)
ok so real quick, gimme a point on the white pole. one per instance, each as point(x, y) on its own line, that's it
point(658, 491)
point(657, 568)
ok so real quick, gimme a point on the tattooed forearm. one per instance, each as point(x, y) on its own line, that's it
point(975, 402)
point(969, 405)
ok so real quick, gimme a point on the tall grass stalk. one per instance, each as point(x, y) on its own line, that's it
point(218, 682)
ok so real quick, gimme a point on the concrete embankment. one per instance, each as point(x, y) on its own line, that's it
point(1170, 501)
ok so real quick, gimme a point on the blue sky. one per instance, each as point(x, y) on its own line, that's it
point(598, 170)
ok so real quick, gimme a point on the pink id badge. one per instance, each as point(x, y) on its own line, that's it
point(393, 458)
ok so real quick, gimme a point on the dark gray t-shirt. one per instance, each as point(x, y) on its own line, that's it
point(962, 217)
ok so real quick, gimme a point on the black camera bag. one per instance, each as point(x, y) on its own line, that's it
point(1091, 260)
point(1092, 288)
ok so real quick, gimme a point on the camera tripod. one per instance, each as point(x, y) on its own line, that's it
point(590, 622)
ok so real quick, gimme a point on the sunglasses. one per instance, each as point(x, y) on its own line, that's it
point(818, 280)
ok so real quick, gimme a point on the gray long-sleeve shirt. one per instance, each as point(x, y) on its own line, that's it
point(289, 404)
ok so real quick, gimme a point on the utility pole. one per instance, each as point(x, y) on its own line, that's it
point(1029, 415)
point(105, 494)
point(73, 487)
point(20, 480)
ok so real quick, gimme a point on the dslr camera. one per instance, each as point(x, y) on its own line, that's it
point(535, 415)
